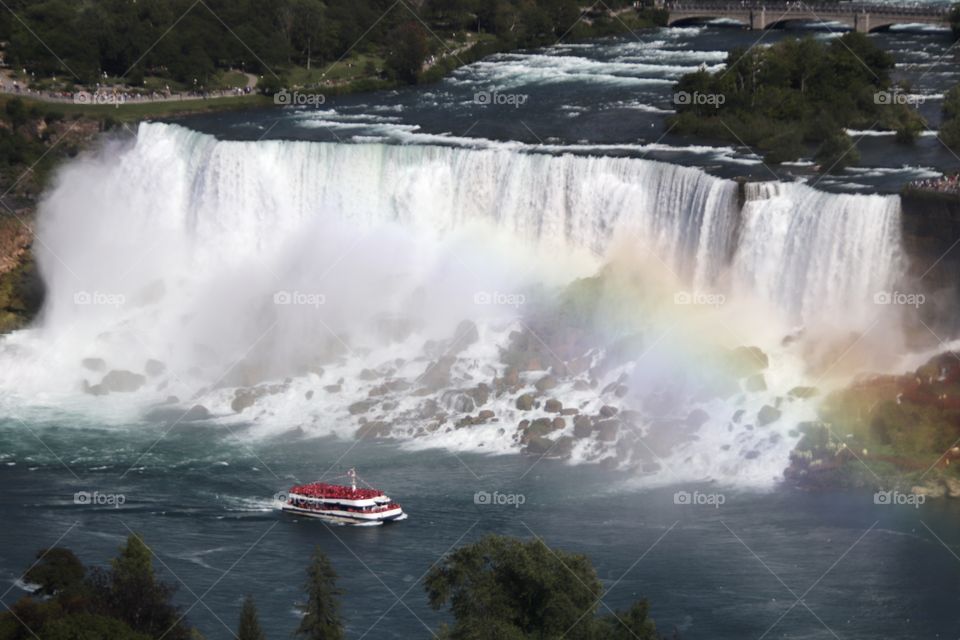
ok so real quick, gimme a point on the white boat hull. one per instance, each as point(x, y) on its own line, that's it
point(337, 516)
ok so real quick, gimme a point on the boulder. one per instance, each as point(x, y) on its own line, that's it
point(606, 411)
point(746, 361)
point(546, 383)
point(196, 412)
point(437, 374)
point(485, 415)
point(538, 445)
point(122, 381)
point(756, 382)
point(94, 364)
point(525, 402)
point(582, 427)
point(552, 405)
point(154, 367)
point(373, 429)
point(333, 388)
point(361, 406)
point(464, 335)
point(697, 418)
point(803, 393)
point(767, 415)
point(608, 430)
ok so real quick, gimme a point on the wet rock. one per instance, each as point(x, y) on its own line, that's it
point(767, 415)
point(570, 411)
point(196, 412)
point(480, 394)
point(361, 406)
point(94, 389)
point(803, 393)
point(582, 427)
point(428, 409)
point(525, 402)
point(397, 385)
point(606, 411)
point(952, 486)
point(562, 448)
point(621, 391)
point(122, 381)
point(244, 398)
point(94, 364)
point(559, 423)
point(581, 385)
point(154, 367)
point(538, 445)
point(608, 430)
point(309, 394)
point(457, 401)
point(697, 418)
point(333, 388)
point(486, 415)
point(738, 415)
point(369, 374)
point(746, 361)
point(437, 374)
point(373, 429)
point(553, 405)
point(464, 335)
point(538, 427)
point(755, 383)
point(546, 383)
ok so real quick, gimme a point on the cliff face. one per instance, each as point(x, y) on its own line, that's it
point(931, 239)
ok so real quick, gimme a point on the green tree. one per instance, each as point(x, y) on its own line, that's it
point(130, 592)
point(321, 619)
point(86, 626)
point(502, 587)
point(57, 570)
point(249, 628)
point(409, 52)
point(837, 153)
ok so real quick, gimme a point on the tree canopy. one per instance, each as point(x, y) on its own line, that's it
point(502, 587)
point(796, 92)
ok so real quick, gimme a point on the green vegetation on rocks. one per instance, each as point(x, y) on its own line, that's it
point(795, 96)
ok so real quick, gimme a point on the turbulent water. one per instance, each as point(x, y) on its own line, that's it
point(329, 278)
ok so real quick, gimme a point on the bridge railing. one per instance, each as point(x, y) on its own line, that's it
point(801, 7)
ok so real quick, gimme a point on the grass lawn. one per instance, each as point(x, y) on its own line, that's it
point(139, 111)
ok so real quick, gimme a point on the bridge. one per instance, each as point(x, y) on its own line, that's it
point(858, 17)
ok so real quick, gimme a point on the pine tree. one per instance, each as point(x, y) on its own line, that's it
point(249, 628)
point(321, 620)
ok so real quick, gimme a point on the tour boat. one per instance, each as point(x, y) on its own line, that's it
point(342, 504)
